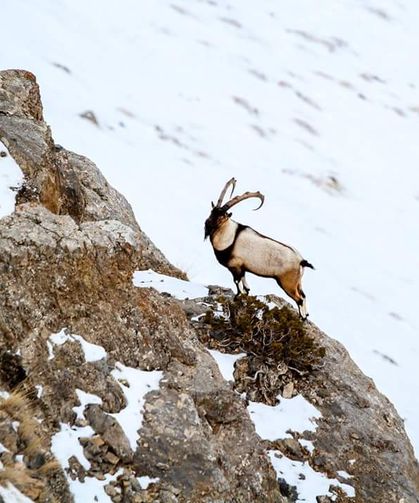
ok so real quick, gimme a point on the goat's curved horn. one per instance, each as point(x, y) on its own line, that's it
point(232, 182)
point(244, 196)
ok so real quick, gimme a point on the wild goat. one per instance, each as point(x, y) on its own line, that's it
point(242, 249)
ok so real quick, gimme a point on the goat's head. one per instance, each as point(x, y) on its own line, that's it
point(220, 212)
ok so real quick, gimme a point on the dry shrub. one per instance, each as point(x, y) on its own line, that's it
point(278, 336)
point(18, 406)
point(38, 465)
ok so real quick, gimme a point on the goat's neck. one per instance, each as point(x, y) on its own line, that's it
point(224, 236)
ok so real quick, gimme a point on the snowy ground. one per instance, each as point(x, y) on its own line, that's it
point(315, 105)
point(134, 383)
point(179, 288)
point(305, 479)
point(10, 178)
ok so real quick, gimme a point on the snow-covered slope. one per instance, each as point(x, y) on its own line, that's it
point(10, 178)
point(314, 104)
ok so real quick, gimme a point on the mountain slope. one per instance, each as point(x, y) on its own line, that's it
point(107, 392)
point(315, 106)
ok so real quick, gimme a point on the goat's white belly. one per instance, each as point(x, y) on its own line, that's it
point(264, 257)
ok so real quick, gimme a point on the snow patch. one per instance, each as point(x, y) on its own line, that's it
point(343, 474)
point(65, 444)
point(226, 362)
point(60, 337)
point(178, 288)
point(145, 481)
point(50, 348)
point(307, 444)
point(308, 482)
point(92, 352)
point(92, 489)
point(10, 176)
point(39, 390)
point(271, 423)
point(10, 494)
point(85, 399)
point(299, 415)
point(140, 382)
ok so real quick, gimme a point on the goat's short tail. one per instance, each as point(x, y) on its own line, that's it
point(304, 263)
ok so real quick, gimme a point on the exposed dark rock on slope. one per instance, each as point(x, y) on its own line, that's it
point(63, 182)
point(67, 255)
point(359, 432)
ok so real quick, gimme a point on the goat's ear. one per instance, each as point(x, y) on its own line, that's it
point(212, 205)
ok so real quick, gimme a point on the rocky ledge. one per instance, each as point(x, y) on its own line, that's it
point(108, 387)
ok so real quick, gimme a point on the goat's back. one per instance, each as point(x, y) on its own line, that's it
point(262, 255)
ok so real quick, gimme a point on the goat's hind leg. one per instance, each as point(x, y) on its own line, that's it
point(302, 303)
point(297, 294)
point(303, 311)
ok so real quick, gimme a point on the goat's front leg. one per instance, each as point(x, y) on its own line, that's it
point(240, 288)
point(238, 281)
point(245, 285)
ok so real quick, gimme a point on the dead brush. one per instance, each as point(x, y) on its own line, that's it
point(22, 479)
point(15, 404)
point(38, 463)
point(18, 407)
point(275, 337)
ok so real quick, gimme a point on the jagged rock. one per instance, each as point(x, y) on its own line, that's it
point(291, 448)
point(359, 432)
point(323, 499)
point(67, 255)
point(359, 423)
point(288, 390)
point(110, 431)
point(198, 437)
point(63, 182)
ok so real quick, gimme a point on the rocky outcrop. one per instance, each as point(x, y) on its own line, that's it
point(359, 431)
point(63, 182)
point(67, 256)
